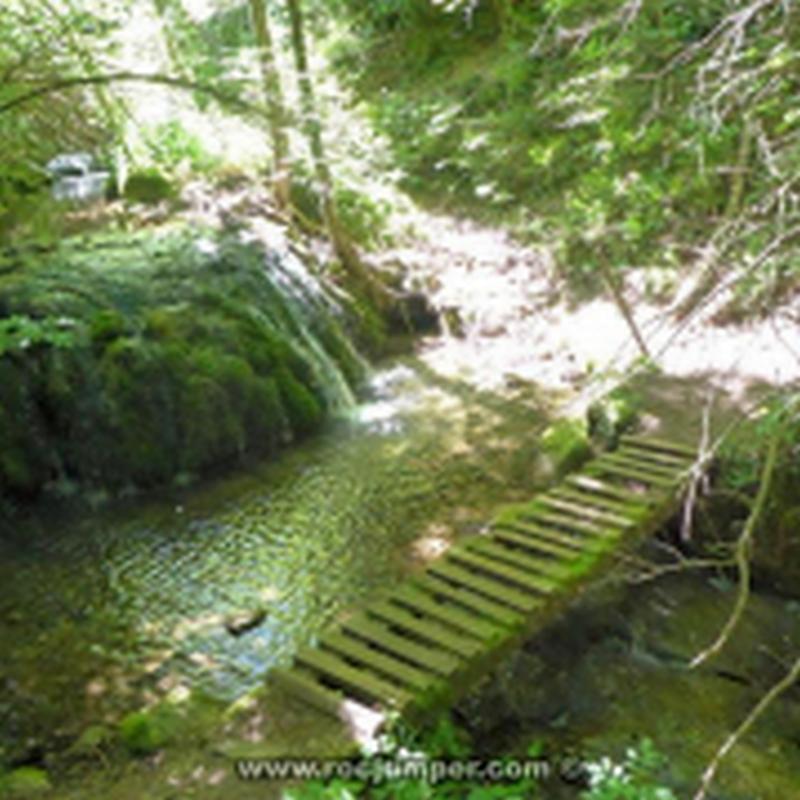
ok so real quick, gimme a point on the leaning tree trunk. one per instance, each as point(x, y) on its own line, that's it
point(276, 106)
point(312, 127)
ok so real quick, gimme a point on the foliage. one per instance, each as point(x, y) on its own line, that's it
point(42, 41)
point(173, 147)
point(667, 132)
point(636, 778)
point(742, 453)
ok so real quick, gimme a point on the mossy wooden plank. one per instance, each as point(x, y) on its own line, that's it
point(578, 541)
point(601, 467)
point(379, 662)
point(534, 544)
point(628, 459)
point(616, 507)
point(585, 510)
point(304, 686)
point(491, 588)
point(532, 581)
point(499, 614)
point(571, 522)
point(590, 483)
point(467, 623)
point(658, 456)
point(547, 567)
point(655, 443)
point(425, 628)
point(433, 659)
point(359, 682)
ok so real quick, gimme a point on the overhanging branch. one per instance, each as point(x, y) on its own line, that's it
point(39, 91)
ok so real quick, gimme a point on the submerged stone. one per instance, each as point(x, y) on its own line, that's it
point(243, 621)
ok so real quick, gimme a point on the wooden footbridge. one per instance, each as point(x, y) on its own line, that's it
point(428, 641)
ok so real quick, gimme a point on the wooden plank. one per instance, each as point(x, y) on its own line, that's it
point(426, 629)
point(618, 507)
point(655, 443)
point(571, 523)
point(585, 510)
point(534, 544)
point(437, 586)
point(426, 657)
point(491, 588)
point(534, 581)
point(601, 467)
point(657, 456)
point(304, 686)
point(466, 623)
point(627, 459)
point(579, 542)
point(378, 662)
point(588, 483)
point(547, 567)
point(359, 682)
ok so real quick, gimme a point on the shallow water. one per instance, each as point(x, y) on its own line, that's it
point(106, 611)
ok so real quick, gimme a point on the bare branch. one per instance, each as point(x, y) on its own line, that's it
point(773, 694)
point(742, 551)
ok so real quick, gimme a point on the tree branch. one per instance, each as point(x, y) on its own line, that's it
point(779, 688)
point(71, 82)
point(742, 551)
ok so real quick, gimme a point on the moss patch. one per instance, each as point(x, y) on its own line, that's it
point(24, 782)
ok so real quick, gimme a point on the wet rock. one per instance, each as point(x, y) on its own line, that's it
point(412, 312)
point(243, 621)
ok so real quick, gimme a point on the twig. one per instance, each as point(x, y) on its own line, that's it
point(781, 686)
point(697, 472)
point(742, 551)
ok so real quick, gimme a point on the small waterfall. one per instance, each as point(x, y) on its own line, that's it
point(309, 304)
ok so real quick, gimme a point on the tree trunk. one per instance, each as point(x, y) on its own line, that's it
point(312, 127)
point(276, 106)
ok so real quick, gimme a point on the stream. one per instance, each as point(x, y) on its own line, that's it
point(105, 612)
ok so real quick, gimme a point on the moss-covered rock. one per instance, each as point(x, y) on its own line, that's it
point(150, 357)
point(149, 186)
point(612, 415)
point(24, 782)
point(144, 732)
point(564, 445)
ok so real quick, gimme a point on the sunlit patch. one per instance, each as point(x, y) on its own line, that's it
point(188, 626)
point(433, 543)
point(363, 724)
point(269, 594)
point(96, 688)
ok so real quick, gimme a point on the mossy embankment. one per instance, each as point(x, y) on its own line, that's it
point(133, 362)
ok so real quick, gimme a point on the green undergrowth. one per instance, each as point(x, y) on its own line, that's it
point(132, 362)
point(442, 763)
